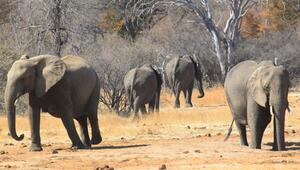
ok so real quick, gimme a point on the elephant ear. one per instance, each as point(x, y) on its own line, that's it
point(258, 84)
point(197, 66)
point(157, 74)
point(50, 70)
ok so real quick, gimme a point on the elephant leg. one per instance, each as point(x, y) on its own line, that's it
point(96, 135)
point(92, 111)
point(257, 131)
point(258, 119)
point(143, 109)
point(34, 119)
point(84, 131)
point(184, 93)
point(151, 105)
point(136, 108)
point(177, 95)
point(67, 119)
point(188, 99)
point(129, 102)
point(242, 131)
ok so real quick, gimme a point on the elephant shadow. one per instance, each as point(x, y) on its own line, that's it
point(119, 147)
point(289, 145)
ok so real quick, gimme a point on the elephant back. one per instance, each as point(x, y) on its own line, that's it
point(75, 62)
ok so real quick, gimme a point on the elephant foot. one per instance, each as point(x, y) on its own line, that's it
point(200, 96)
point(96, 140)
point(278, 149)
point(35, 148)
point(76, 147)
point(188, 105)
point(255, 147)
point(244, 144)
point(87, 144)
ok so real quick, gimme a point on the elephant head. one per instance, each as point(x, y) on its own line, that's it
point(198, 75)
point(30, 75)
point(268, 86)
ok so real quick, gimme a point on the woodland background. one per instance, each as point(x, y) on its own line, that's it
point(117, 35)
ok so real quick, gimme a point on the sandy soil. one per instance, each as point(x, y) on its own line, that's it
point(186, 138)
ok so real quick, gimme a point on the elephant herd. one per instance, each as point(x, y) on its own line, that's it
point(68, 88)
point(143, 84)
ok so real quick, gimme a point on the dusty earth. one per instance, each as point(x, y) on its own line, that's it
point(186, 138)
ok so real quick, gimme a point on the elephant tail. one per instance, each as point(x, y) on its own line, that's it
point(229, 131)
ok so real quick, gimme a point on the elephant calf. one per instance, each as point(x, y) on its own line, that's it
point(65, 87)
point(254, 92)
point(143, 86)
point(180, 74)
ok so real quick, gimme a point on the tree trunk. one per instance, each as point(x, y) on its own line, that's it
point(57, 27)
point(216, 42)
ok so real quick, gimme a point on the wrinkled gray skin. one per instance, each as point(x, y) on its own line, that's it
point(180, 75)
point(143, 86)
point(66, 88)
point(253, 91)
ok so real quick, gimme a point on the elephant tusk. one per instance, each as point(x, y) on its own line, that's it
point(17, 100)
point(288, 109)
point(271, 110)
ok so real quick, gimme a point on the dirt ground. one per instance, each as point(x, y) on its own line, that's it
point(186, 138)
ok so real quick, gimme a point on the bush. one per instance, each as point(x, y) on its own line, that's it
point(7, 58)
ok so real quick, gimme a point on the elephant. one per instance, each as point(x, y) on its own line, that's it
point(180, 73)
point(65, 87)
point(255, 92)
point(143, 86)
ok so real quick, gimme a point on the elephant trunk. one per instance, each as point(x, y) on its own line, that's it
point(279, 122)
point(10, 98)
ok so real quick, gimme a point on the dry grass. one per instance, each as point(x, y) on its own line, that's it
point(209, 112)
point(171, 119)
point(213, 96)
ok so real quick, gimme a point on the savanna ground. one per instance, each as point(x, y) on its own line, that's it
point(186, 138)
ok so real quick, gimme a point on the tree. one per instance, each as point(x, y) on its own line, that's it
point(113, 93)
point(54, 26)
point(6, 8)
point(122, 18)
point(223, 38)
point(270, 16)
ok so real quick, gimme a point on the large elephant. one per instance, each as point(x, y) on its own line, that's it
point(180, 74)
point(65, 87)
point(254, 92)
point(143, 86)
